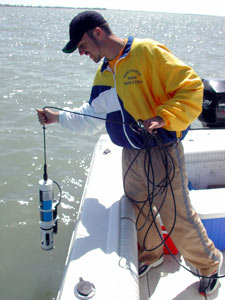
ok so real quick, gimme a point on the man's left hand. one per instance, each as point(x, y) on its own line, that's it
point(152, 124)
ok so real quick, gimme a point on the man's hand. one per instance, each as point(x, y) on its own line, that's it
point(47, 116)
point(153, 123)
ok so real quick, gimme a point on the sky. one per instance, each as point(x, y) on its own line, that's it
point(205, 7)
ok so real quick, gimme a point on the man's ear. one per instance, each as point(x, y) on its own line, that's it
point(97, 33)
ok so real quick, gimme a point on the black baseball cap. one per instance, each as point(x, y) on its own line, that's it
point(83, 22)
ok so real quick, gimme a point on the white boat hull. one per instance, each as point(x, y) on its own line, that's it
point(103, 248)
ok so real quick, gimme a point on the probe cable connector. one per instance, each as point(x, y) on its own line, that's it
point(138, 127)
point(140, 124)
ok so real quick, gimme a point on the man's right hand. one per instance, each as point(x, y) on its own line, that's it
point(47, 116)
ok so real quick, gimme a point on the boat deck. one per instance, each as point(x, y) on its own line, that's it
point(102, 251)
point(172, 282)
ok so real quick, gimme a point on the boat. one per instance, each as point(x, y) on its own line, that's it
point(102, 256)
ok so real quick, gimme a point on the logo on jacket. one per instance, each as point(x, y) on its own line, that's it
point(132, 76)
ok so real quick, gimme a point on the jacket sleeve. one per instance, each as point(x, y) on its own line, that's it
point(84, 120)
point(184, 91)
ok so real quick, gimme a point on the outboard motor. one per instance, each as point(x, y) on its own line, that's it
point(213, 110)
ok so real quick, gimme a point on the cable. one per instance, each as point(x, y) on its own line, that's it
point(154, 189)
point(45, 175)
point(90, 116)
point(60, 193)
point(157, 188)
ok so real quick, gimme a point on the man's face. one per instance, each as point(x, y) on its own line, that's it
point(90, 47)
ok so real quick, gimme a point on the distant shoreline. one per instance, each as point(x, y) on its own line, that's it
point(104, 9)
point(47, 6)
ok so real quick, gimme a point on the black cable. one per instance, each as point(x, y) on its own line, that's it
point(162, 186)
point(45, 175)
point(60, 193)
point(156, 188)
point(90, 116)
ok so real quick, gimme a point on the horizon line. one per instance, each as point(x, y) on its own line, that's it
point(98, 8)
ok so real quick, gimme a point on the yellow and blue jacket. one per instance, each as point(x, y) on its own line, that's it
point(148, 81)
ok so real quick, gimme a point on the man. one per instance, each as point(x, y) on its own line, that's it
point(142, 80)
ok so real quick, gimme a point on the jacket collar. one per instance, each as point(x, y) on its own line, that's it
point(126, 50)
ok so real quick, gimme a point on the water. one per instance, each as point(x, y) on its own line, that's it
point(34, 73)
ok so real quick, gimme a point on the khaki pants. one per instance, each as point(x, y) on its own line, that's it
point(189, 234)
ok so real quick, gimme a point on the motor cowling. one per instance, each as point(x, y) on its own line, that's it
point(213, 108)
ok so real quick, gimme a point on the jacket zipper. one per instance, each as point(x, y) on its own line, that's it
point(124, 126)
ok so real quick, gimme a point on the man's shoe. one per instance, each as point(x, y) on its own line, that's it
point(143, 268)
point(209, 285)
